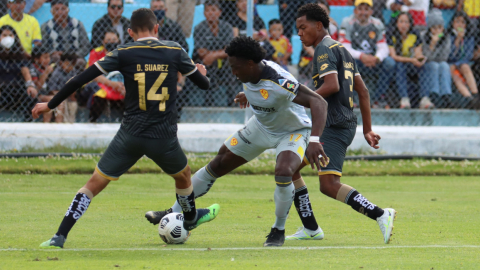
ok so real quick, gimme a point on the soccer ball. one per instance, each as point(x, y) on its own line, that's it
point(171, 229)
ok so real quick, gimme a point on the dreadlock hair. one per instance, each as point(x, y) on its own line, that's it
point(246, 48)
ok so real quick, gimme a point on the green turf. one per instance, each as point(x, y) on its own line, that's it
point(262, 165)
point(435, 228)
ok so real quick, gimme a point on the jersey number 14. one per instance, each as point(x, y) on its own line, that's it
point(152, 93)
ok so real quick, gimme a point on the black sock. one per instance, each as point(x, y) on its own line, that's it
point(188, 206)
point(363, 206)
point(77, 208)
point(304, 208)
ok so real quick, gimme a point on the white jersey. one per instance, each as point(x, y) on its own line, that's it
point(271, 101)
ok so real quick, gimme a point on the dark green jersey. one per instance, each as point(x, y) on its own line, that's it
point(150, 68)
point(331, 57)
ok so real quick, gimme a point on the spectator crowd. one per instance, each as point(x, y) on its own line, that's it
point(416, 57)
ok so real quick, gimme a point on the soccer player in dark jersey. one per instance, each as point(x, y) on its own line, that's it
point(335, 77)
point(149, 126)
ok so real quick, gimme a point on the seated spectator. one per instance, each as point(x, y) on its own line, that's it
point(462, 46)
point(17, 90)
point(63, 72)
point(26, 26)
point(472, 8)
point(288, 10)
point(110, 90)
point(283, 47)
point(113, 19)
point(417, 8)
point(378, 8)
point(182, 12)
point(239, 24)
point(168, 29)
point(364, 37)
point(239, 21)
point(64, 33)
point(211, 36)
point(436, 48)
point(40, 70)
point(405, 47)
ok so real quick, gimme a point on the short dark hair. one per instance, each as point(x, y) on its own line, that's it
point(212, 3)
point(246, 48)
point(315, 13)
point(68, 56)
point(108, 3)
point(111, 30)
point(54, 2)
point(37, 51)
point(274, 21)
point(143, 19)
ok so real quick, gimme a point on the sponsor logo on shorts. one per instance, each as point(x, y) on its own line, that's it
point(264, 93)
point(233, 142)
point(243, 137)
point(323, 67)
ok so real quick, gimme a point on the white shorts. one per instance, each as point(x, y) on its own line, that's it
point(253, 140)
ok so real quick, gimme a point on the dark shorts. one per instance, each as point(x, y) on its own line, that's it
point(335, 142)
point(125, 150)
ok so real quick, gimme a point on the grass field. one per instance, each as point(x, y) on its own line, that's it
point(436, 226)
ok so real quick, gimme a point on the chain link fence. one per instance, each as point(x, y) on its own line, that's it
point(420, 61)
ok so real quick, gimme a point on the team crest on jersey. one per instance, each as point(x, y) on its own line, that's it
point(233, 142)
point(372, 34)
point(323, 67)
point(264, 93)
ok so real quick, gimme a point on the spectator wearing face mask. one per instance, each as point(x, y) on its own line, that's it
point(17, 90)
point(168, 29)
point(110, 90)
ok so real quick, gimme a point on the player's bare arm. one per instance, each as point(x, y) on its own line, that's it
point(69, 88)
point(318, 108)
point(330, 85)
point(364, 97)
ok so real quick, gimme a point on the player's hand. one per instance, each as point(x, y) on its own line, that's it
point(202, 69)
point(372, 139)
point(32, 91)
point(316, 155)
point(39, 109)
point(241, 98)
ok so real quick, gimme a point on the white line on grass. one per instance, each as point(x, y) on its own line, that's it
point(239, 248)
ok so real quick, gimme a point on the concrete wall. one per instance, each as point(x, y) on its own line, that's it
point(209, 137)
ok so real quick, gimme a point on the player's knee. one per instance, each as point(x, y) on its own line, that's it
point(284, 171)
point(96, 184)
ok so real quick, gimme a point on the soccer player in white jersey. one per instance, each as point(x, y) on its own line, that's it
point(279, 122)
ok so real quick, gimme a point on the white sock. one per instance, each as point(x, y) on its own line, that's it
point(202, 181)
point(283, 201)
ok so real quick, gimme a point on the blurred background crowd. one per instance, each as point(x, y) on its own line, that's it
point(413, 54)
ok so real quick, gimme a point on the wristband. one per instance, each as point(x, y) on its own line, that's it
point(29, 83)
point(314, 139)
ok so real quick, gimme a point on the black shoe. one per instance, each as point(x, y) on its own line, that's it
point(275, 238)
point(155, 216)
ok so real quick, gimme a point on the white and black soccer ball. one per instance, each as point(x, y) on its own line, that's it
point(171, 229)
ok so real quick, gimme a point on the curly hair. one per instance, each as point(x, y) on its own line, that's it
point(315, 13)
point(246, 48)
